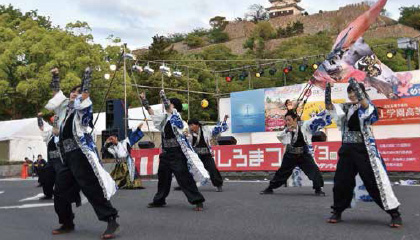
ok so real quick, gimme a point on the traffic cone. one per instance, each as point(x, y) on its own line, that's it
point(24, 171)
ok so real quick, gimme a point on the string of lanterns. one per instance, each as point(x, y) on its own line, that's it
point(260, 72)
point(244, 73)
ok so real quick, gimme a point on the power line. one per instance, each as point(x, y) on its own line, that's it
point(266, 62)
point(172, 89)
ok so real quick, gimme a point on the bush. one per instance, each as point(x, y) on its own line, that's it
point(194, 41)
point(264, 30)
point(176, 37)
point(249, 43)
point(201, 32)
point(291, 30)
point(217, 36)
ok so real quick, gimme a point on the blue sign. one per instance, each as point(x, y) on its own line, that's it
point(248, 111)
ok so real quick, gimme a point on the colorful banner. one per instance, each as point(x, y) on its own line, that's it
point(247, 111)
point(400, 155)
point(264, 109)
point(401, 111)
point(275, 101)
point(313, 108)
point(408, 84)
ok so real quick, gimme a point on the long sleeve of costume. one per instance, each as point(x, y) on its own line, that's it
point(338, 114)
point(176, 121)
point(284, 137)
point(313, 125)
point(84, 111)
point(320, 121)
point(219, 128)
point(158, 120)
point(58, 104)
point(46, 135)
point(56, 101)
point(369, 115)
point(135, 136)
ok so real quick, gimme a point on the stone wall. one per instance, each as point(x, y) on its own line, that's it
point(397, 30)
point(10, 171)
point(239, 29)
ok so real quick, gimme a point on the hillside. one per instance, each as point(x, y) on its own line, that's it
point(331, 21)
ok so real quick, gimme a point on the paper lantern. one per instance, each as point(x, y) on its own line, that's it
point(204, 103)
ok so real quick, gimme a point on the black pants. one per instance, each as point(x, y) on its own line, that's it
point(353, 159)
point(78, 174)
point(174, 161)
point(210, 166)
point(47, 176)
point(303, 161)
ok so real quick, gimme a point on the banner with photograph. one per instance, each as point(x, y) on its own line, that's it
point(264, 109)
point(247, 111)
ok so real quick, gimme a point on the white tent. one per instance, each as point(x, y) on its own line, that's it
point(22, 138)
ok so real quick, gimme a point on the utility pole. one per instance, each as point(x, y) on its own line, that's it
point(125, 92)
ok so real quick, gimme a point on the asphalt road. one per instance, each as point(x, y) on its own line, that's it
point(237, 213)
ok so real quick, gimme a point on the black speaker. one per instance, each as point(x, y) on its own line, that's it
point(106, 134)
point(319, 137)
point(226, 140)
point(146, 145)
point(114, 117)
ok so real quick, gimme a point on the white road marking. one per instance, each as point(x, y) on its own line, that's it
point(1, 192)
point(34, 205)
point(36, 197)
point(17, 179)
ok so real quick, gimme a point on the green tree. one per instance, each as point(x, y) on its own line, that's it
point(218, 23)
point(29, 48)
point(410, 16)
point(161, 48)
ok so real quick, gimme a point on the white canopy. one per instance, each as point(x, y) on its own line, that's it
point(25, 139)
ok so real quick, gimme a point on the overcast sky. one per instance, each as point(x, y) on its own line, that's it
point(136, 21)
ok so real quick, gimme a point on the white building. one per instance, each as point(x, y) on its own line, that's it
point(281, 8)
